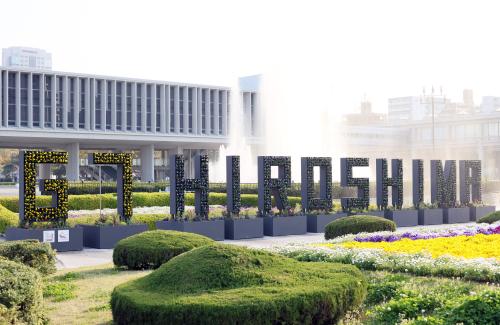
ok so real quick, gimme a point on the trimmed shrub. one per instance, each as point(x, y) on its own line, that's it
point(91, 201)
point(357, 224)
point(483, 308)
point(150, 249)
point(490, 217)
point(7, 219)
point(149, 219)
point(21, 291)
point(30, 252)
point(226, 284)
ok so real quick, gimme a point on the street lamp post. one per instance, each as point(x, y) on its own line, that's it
point(424, 100)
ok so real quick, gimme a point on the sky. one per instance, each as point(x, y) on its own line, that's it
point(347, 50)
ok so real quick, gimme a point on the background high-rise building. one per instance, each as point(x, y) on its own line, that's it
point(27, 58)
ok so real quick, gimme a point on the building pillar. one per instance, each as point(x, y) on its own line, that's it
point(147, 163)
point(73, 166)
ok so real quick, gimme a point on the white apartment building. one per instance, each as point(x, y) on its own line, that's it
point(27, 58)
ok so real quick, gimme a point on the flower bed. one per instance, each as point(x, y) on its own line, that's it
point(479, 245)
point(434, 233)
point(477, 269)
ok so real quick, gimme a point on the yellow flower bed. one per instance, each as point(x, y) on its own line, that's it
point(465, 246)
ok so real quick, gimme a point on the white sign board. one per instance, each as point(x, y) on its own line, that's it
point(49, 236)
point(63, 236)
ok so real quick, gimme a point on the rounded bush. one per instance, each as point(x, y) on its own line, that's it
point(21, 291)
point(490, 217)
point(150, 249)
point(226, 284)
point(7, 219)
point(357, 224)
point(31, 252)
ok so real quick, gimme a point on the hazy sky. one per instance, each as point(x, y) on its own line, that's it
point(348, 48)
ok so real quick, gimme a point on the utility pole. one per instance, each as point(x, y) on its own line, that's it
point(425, 100)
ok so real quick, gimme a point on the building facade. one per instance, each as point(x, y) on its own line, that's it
point(26, 58)
point(460, 131)
point(71, 111)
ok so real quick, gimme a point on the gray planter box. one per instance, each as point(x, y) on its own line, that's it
point(60, 241)
point(318, 222)
point(430, 217)
point(284, 226)
point(210, 228)
point(479, 212)
point(379, 213)
point(103, 237)
point(403, 218)
point(244, 228)
point(456, 215)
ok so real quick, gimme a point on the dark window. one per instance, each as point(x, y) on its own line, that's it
point(139, 107)
point(108, 105)
point(221, 94)
point(204, 111)
point(59, 102)
point(148, 108)
point(158, 108)
point(181, 109)
point(36, 100)
point(172, 109)
point(48, 101)
point(71, 101)
point(212, 111)
point(12, 98)
point(83, 91)
point(190, 109)
point(24, 99)
point(253, 98)
point(129, 106)
point(119, 106)
point(98, 103)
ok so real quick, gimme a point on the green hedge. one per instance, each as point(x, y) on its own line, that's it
point(91, 201)
point(226, 284)
point(21, 293)
point(490, 217)
point(150, 249)
point(31, 252)
point(92, 187)
point(357, 224)
point(7, 219)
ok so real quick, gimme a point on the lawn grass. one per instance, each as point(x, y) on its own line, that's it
point(88, 302)
point(81, 296)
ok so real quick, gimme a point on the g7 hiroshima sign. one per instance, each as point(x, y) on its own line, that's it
point(442, 180)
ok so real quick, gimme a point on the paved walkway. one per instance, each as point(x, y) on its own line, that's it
point(91, 256)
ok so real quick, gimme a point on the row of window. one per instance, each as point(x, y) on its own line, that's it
point(81, 92)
